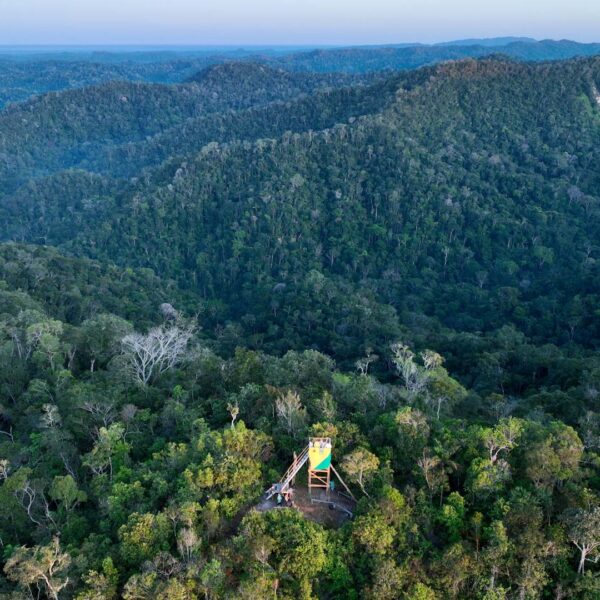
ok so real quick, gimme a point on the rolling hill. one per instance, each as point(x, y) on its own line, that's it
point(197, 276)
point(459, 193)
point(61, 129)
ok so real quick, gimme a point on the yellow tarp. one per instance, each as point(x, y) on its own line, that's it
point(319, 457)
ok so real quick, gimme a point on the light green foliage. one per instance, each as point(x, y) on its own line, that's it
point(40, 566)
point(443, 391)
point(384, 525)
point(101, 585)
point(373, 532)
point(501, 439)
point(101, 338)
point(297, 546)
point(123, 499)
point(143, 537)
point(421, 592)
point(65, 491)
point(556, 457)
point(486, 477)
point(388, 579)
point(110, 447)
point(44, 340)
point(140, 587)
point(229, 467)
point(212, 579)
point(360, 466)
point(453, 516)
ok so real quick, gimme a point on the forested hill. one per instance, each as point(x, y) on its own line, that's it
point(61, 129)
point(24, 74)
point(232, 79)
point(470, 196)
point(320, 110)
point(196, 277)
point(368, 59)
point(20, 79)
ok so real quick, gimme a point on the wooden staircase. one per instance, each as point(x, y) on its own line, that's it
point(284, 483)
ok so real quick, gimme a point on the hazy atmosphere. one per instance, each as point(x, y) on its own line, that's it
point(290, 21)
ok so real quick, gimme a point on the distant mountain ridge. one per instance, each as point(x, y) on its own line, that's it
point(392, 58)
point(24, 75)
point(488, 42)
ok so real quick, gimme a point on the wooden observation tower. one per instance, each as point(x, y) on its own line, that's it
point(320, 468)
point(319, 464)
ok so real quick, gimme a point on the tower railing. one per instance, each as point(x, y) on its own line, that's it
point(289, 475)
point(318, 456)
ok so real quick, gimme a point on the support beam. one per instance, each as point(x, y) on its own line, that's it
point(319, 479)
point(343, 483)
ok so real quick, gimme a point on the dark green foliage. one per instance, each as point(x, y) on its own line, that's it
point(59, 130)
point(463, 199)
point(179, 262)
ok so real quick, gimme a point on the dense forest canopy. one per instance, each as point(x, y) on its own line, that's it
point(27, 73)
point(202, 264)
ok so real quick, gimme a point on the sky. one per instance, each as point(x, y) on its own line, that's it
point(291, 22)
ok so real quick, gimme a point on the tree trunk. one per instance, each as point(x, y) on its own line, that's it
point(581, 568)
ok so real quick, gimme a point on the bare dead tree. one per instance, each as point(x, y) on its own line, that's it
point(50, 418)
point(187, 544)
point(68, 466)
point(4, 469)
point(290, 411)
point(162, 348)
point(35, 504)
point(234, 410)
point(26, 495)
point(414, 376)
point(169, 312)
point(9, 434)
point(102, 410)
point(43, 566)
point(363, 364)
point(584, 533)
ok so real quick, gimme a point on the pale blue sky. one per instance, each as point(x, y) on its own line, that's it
point(291, 21)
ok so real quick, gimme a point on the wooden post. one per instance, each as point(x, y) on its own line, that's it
point(343, 483)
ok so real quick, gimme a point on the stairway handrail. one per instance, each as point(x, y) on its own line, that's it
point(292, 471)
point(294, 467)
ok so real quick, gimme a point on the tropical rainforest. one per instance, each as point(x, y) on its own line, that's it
point(206, 259)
